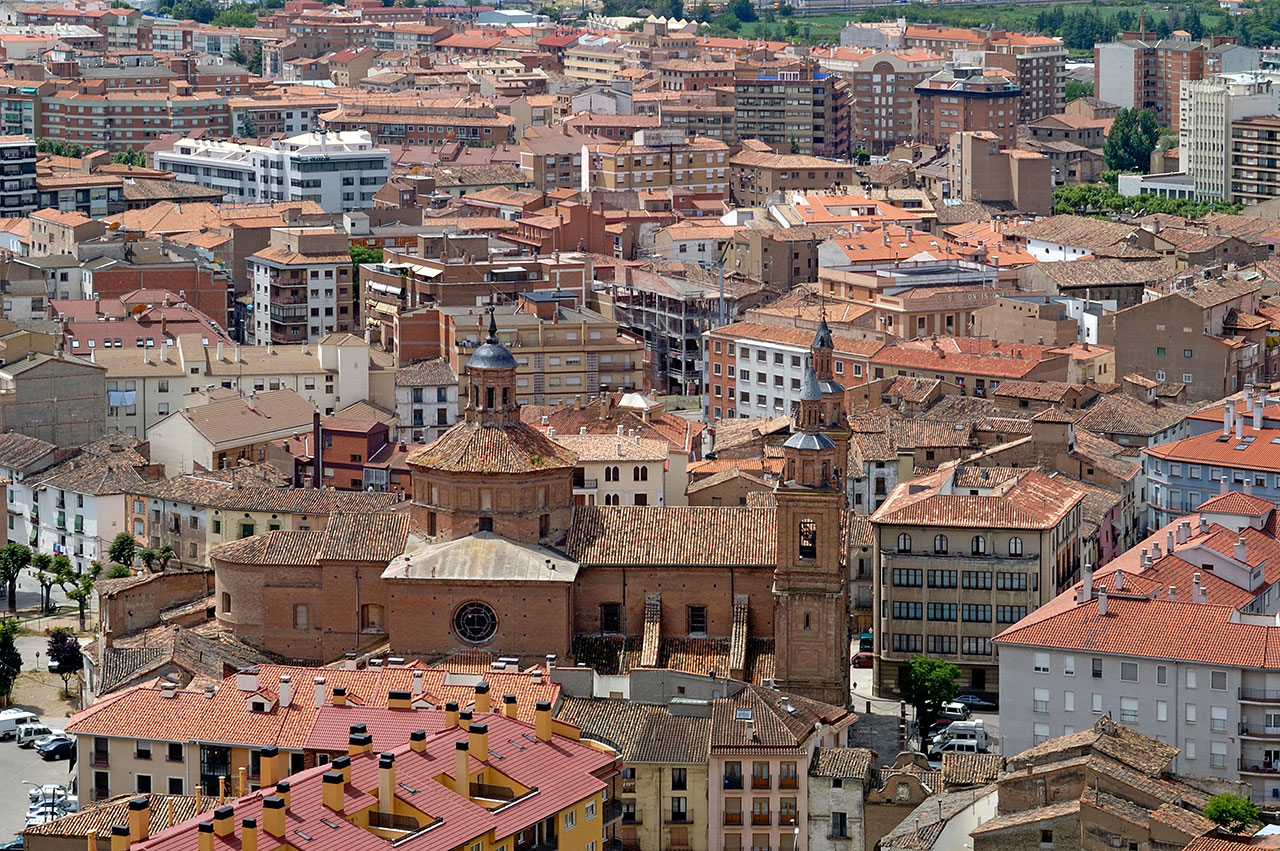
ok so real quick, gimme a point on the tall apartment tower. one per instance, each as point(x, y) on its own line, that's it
point(811, 614)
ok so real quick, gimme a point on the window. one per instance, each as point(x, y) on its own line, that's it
point(1069, 701)
point(1160, 351)
point(142, 783)
point(1015, 546)
point(975, 613)
point(1218, 754)
point(679, 779)
point(839, 826)
point(1162, 675)
point(589, 809)
point(942, 578)
point(570, 820)
point(174, 752)
point(1040, 701)
point(907, 611)
point(1097, 704)
point(176, 786)
point(1129, 672)
point(1097, 669)
point(1011, 581)
point(226, 602)
point(1218, 719)
point(808, 539)
point(904, 543)
point(142, 750)
point(907, 577)
point(1040, 735)
point(1218, 680)
point(976, 646)
point(1190, 713)
point(1129, 710)
point(1042, 663)
point(300, 616)
point(976, 579)
point(1069, 666)
point(942, 611)
point(1046, 837)
point(1010, 614)
point(907, 643)
point(978, 545)
point(679, 809)
point(1191, 679)
point(611, 618)
point(697, 620)
point(940, 544)
point(1162, 710)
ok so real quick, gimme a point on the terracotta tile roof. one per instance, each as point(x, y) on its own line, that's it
point(473, 448)
point(1257, 454)
point(347, 537)
point(244, 488)
point(702, 469)
point(1077, 231)
point(233, 421)
point(103, 815)
point(778, 720)
point(1029, 501)
point(970, 769)
point(1100, 271)
point(672, 535)
point(20, 452)
point(1001, 366)
point(1120, 413)
point(617, 654)
point(1237, 503)
point(1045, 391)
point(1053, 812)
point(849, 763)
point(641, 732)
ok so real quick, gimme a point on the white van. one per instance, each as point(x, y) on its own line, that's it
point(10, 719)
point(28, 733)
point(967, 731)
point(956, 746)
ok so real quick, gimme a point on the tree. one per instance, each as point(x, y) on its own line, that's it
point(1134, 135)
point(149, 557)
point(1233, 812)
point(1194, 25)
point(254, 65)
point(42, 567)
point(64, 652)
point(236, 55)
point(702, 11)
point(362, 254)
point(119, 571)
point(123, 549)
point(1077, 89)
point(165, 555)
point(238, 15)
point(77, 584)
point(201, 11)
point(13, 558)
point(928, 684)
point(743, 10)
point(10, 658)
point(130, 156)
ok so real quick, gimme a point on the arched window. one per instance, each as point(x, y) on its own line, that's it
point(488, 399)
point(979, 545)
point(226, 603)
point(644, 474)
point(635, 474)
point(1015, 546)
point(940, 544)
point(904, 543)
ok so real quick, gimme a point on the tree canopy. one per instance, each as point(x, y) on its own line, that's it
point(928, 684)
point(1233, 812)
point(10, 658)
point(64, 654)
point(1134, 135)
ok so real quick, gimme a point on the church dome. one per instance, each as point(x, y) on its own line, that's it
point(492, 354)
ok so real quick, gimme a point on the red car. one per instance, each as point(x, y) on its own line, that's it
point(863, 660)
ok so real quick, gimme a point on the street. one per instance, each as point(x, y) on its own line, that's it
point(19, 768)
point(878, 729)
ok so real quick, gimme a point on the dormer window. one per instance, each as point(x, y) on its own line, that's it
point(257, 706)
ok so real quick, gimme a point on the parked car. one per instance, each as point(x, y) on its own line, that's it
point(52, 734)
point(976, 703)
point(954, 712)
point(49, 791)
point(863, 660)
point(15, 844)
point(866, 642)
point(28, 733)
point(10, 719)
point(56, 749)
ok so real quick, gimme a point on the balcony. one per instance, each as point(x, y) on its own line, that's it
point(761, 783)
point(733, 819)
point(1258, 731)
point(288, 315)
point(392, 821)
point(1258, 766)
point(1259, 695)
point(586, 484)
point(612, 813)
point(733, 781)
point(760, 820)
point(788, 783)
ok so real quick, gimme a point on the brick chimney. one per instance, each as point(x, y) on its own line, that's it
point(386, 782)
point(450, 715)
point(273, 816)
point(333, 783)
point(461, 769)
point(139, 818)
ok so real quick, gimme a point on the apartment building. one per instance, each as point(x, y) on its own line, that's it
point(594, 62)
point(1208, 108)
point(53, 397)
point(755, 370)
point(302, 286)
point(552, 157)
point(960, 552)
point(331, 374)
point(960, 99)
point(17, 176)
point(1143, 72)
point(226, 429)
point(616, 469)
point(401, 119)
point(266, 722)
point(426, 399)
point(1254, 159)
point(1187, 339)
point(84, 115)
point(339, 171)
point(974, 366)
point(91, 194)
point(797, 109)
point(757, 175)
point(657, 159)
point(883, 105)
point(985, 168)
point(1038, 63)
point(1115, 644)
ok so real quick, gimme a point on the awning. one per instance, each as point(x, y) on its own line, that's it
point(505, 269)
point(379, 287)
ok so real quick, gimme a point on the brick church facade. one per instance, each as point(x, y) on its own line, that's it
point(493, 556)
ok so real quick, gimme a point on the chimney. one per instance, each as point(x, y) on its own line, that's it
point(386, 782)
point(418, 741)
point(1155, 551)
point(1228, 414)
point(1239, 550)
point(224, 820)
point(333, 790)
point(1119, 578)
point(1086, 584)
point(464, 719)
point(319, 683)
point(1240, 427)
point(482, 696)
point(269, 762)
point(399, 700)
point(1173, 592)
point(339, 696)
point(542, 720)
point(120, 838)
point(286, 691)
point(146, 355)
point(204, 832)
point(1145, 558)
point(1184, 531)
point(249, 834)
point(1102, 601)
point(219, 351)
point(1198, 594)
point(342, 765)
point(360, 743)
point(1204, 524)
point(509, 705)
point(247, 680)
point(273, 816)
point(317, 479)
point(139, 818)
point(417, 684)
point(450, 715)
point(283, 793)
point(478, 740)
point(461, 769)
point(168, 690)
point(1168, 541)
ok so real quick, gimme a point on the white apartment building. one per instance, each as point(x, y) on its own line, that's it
point(332, 374)
point(426, 399)
point(338, 170)
point(621, 469)
point(1174, 640)
point(1207, 108)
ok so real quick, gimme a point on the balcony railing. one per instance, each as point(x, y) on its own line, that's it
point(1267, 694)
point(761, 783)
point(586, 484)
point(788, 783)
point(760, 820)
point(733, 819)
point(733, 781)
point(392, 821)
point(612, 812)
point(492, 792)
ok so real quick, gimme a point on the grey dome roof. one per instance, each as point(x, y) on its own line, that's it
point(810, 391)
point(822, 340)
point(492, 355)
point(803, 440)
point(830, 387)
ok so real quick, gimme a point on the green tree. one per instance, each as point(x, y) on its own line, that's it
point(1077, 89)
point(201, 11)
point(64, 654)
point(254, 65)
point(119, 571)
point(702, 11)
point(236, 55)
point(1193, 24)
point(928, 684)
point(1233, 812)
point(362, 254)
point(42, 569)
point(149, 557)
point(743, 10)
point(165, 555)
point(1134, 135)
point(13, 559)
point(240, 15)
point(123, 549)
point(77, 584)
point(10, 658)
point(120, 4)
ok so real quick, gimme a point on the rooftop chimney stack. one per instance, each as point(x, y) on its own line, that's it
point(339, 696)
point(478, 741)
point(387, 783)
point(1155, 551)
point(139, 818)
point(333, 790)
point(269, 762)
point(286, 691)
point(1168, 541)
point(249, 834)
point(1119, 580)
point(461, 769)
point(204, 833)
point(1102, 601)
point(224, 820)
point(273, 816)
point(319, 683)
point(360, 743)
point(342, 765)
point(1239, 550)
point(417, 684)
point(450, 715)
point(1086, 584)
point(247, 680)
point(542, 720)
point(509, 705)
point(283, 793)
point(482, 696)
point(418, 741)
point(1228, 414)
point(1173, 592)
point(1240, 427)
